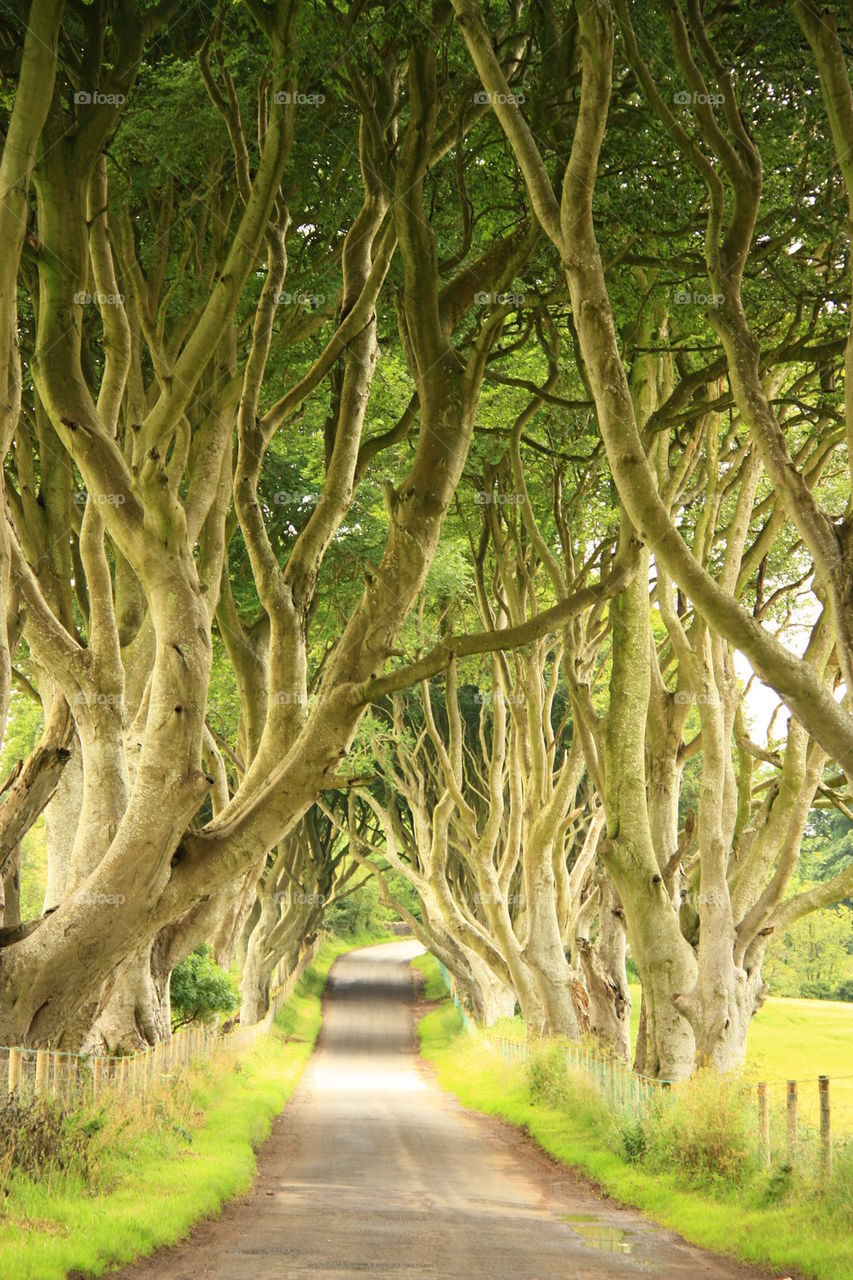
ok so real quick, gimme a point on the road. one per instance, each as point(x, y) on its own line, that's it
point(372, 1170)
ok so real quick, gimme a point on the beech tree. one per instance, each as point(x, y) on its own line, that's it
point(707, 984)
point(148, 432)
point(281, 290)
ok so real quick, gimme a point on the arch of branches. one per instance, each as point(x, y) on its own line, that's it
point(423, 429)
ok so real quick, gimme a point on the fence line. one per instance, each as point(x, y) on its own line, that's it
point(630, 1094)
point(450, 982)
point(76, 1078)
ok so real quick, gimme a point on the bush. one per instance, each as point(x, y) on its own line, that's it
point(547, 1075)
point(38, 1136)
point(818, 990)
point(200, 989)
point(706, 1128)
point(633, 1141)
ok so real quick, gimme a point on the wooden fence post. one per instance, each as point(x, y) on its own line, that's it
point(96, 1080)
point(42, 1070)
point(825, 1125)
point(791, 1096)
point(15, 1067)
point(764, 1125)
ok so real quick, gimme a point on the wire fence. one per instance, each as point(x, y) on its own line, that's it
point(79, 1079)
point(786, 1132)
point(793, 1118)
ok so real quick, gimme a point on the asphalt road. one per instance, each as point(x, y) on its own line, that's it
point(372, 1170)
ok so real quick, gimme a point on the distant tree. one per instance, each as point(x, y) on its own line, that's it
point(813, 959)
point(201, 989)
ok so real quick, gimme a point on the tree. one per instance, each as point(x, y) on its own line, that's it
point(200, 990)
point(710, 989)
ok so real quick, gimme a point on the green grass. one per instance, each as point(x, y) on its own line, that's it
point(798, 1040)
point(165, 1162)
point(767, 1220)
point(435, 987)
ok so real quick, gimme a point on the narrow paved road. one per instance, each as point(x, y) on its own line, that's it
point(374, 1170)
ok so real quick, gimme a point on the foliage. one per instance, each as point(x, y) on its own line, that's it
point(547, 1077)
point(814, 958)
point(23, 730)
point(40, 1137)
point(33, 871)
point(359, 915)
point(201, 989)
point(706, 1128)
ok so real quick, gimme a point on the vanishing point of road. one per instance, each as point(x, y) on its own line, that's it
point(373, 1170)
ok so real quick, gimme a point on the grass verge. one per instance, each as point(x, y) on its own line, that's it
point(795, 1223)
point(435, 987)
point(159, 1164)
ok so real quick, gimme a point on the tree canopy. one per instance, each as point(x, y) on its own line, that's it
point(422, 428)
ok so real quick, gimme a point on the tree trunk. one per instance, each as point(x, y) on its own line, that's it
point(10, 887)
point(664, 959)
point(492, 998)
point(61, 818)
point(606, 982)
point(136, 1014)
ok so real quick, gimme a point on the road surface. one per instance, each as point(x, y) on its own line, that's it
point(372, 1170)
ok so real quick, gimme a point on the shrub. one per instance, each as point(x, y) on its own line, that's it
point(547, 1075)
point(818, 990)
point(706, 1128)
point(200, 989)
point(633, 1141)
point(38, 1136)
